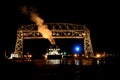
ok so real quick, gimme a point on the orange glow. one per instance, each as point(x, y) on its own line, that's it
point(75, 55)
point(43, 29)
point(98, 55)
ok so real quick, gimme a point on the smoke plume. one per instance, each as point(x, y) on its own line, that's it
point(42, 28)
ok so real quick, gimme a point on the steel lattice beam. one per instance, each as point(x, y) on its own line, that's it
point(59, 30)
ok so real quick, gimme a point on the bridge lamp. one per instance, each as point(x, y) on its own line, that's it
point(77, 48)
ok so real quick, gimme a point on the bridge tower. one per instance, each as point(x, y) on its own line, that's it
point(59, 30)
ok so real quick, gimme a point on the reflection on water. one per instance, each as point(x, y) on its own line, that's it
point(98, 62)
point(54, 61)
point(39, 71)
point(75, 61)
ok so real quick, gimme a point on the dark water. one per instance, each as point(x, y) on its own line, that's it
point(70, 69)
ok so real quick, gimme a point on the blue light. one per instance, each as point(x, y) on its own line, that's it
point(77, 48)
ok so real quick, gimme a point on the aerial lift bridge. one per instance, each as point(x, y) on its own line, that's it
point(59, 30)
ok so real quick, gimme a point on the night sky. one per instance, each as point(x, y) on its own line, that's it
point(100, 17)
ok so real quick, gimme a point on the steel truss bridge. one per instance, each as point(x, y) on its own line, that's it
point(59, 30)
